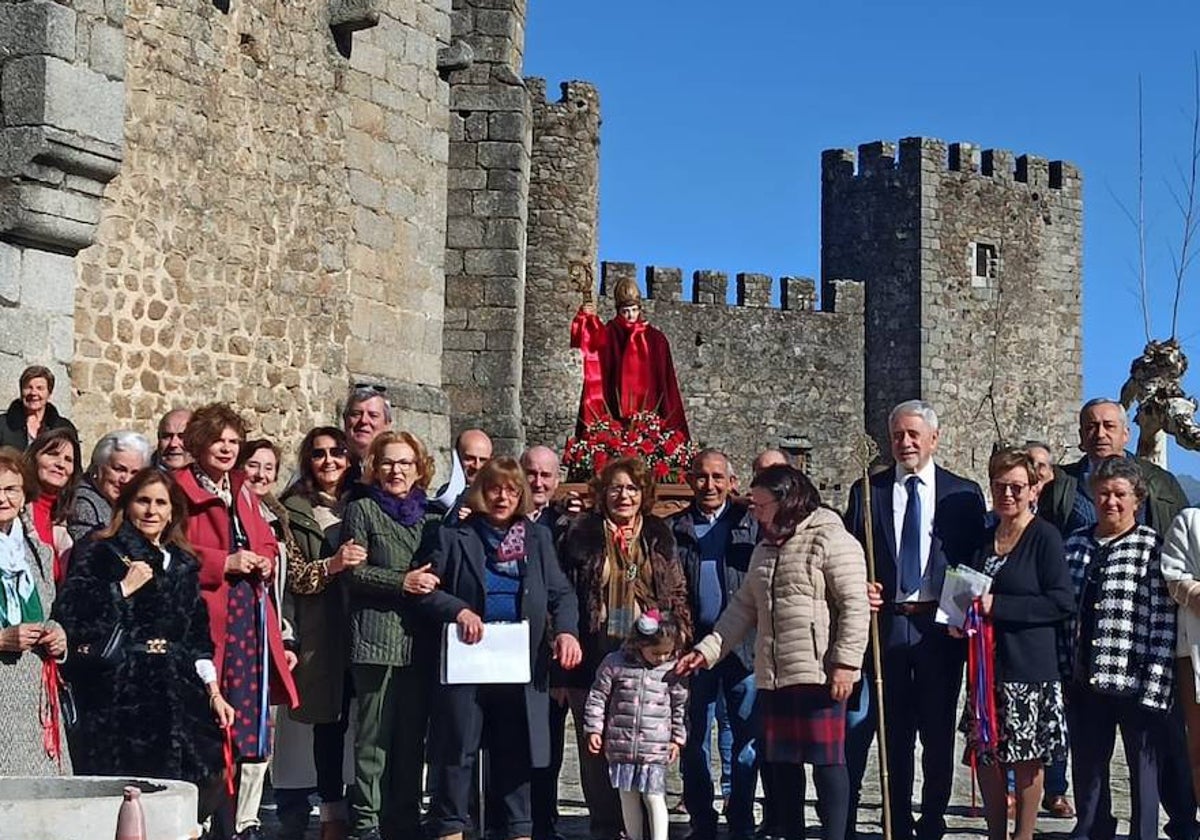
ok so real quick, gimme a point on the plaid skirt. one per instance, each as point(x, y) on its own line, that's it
point(802, 724)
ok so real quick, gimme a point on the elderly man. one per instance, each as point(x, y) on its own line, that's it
point(1067, 502)
point(714, 539)
point(541, 467)
point(474, 450)
point(924, 518)
point(170, 453)
point(769, 458)
point(367, 413)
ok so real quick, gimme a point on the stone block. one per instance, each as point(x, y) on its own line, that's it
point(107, 52)
point(513, 126)
point(753, 290)
point(664, 284)
point(47, 282)
point(493, 155)
point(492, 262)
point(710, 287)
point(40, 27)
point(508, 98)
point(40, 90)
point(10, 274)
point(353, 15)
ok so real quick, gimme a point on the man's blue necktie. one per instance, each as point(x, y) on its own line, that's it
point(910, 540)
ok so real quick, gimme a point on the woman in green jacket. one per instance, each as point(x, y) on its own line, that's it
point(315, 605)
point(392, 656)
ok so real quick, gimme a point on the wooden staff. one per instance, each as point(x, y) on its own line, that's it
point(867, 454)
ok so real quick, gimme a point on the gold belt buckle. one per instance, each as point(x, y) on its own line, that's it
point(156, 646)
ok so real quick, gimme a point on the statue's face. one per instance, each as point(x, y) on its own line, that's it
point(630, 313)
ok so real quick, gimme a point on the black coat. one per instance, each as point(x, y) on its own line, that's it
point(743, 536)
point(14, 432)
point(1032, 597)
point(547, 602)
point(150, 715)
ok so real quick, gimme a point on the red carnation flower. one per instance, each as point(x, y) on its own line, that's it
point(661, 470)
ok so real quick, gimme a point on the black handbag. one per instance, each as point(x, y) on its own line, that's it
point(110, 654)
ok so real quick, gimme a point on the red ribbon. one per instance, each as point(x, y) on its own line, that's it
point(230, 767)
point(50, 712)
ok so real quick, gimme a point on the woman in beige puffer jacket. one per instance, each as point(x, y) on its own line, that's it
point(806, 595)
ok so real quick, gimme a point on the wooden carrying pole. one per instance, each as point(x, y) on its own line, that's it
point(869, 451)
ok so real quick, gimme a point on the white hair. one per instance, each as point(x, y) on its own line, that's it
point(122, 440)
point(918, 408)
point(1099, 401)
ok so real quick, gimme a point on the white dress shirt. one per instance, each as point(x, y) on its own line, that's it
point(926, 492)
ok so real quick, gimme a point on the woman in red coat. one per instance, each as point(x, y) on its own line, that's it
point(237, 551)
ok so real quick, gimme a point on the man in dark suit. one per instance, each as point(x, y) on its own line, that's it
point(1067, 502)
point(923, 519)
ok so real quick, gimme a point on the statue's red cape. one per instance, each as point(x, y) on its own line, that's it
point(627, 368)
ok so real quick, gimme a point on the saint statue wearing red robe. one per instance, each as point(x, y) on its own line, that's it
point(627, 365)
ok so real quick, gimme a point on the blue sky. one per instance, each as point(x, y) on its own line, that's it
point(715, 116)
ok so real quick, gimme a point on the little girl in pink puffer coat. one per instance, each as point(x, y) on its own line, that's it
point(635, 713)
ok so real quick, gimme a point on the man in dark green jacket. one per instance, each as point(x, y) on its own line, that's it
point(1067, 502)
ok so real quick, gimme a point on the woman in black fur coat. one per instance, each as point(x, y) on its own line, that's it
point(158, 712)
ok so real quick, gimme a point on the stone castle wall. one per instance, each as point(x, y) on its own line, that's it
point(277, 230)
point(754, 376)
point(999, 356)
point(563, 220)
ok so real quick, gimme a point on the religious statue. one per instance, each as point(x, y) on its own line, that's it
point(627, 367)
point(1155, 384)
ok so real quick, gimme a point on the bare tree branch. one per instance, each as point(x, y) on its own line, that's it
point(1190, 220)
point(1145, 295)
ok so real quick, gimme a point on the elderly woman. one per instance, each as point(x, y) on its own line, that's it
point(116, 458)
point(316, 608)
point(27, 635)
point(806, 595)
point(621, 561)
point(237, 551)
point(1122, 653)
point(1181, 568)
point(1029, 601)
point(497, 566)
point(33, 413)
point(54, 455)
point(155, 712)
point(391, 659)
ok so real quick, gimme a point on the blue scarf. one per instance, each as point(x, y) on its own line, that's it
point(406, 510)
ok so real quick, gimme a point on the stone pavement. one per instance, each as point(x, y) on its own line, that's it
point(962, 824)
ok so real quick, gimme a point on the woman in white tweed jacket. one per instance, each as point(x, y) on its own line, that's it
point(1181, 568)
point(1122, 653)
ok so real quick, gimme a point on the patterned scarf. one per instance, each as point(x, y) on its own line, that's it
point(20, 597)
point(504, 548)
point(223, 491)
point(627, 577)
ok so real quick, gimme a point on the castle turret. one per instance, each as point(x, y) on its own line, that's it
point(972, 263)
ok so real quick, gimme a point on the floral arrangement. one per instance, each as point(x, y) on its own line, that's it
point(667, 452)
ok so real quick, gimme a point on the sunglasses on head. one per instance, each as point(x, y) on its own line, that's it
point(330, 452)
point(370, 386)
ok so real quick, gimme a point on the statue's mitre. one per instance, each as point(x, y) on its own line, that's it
point(627, 293)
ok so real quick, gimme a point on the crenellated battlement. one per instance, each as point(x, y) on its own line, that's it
point(914, 156)
point(575, 96)
point(752, 290)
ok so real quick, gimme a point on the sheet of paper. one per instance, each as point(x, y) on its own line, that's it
point(501, 656)
point(963, 585)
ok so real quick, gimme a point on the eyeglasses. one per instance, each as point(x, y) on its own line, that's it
point(12, 493)
point(1000, 488)
point(623, 489)
point(504, 490)
point(387, 465)
point(331, 452)
point(370, 386)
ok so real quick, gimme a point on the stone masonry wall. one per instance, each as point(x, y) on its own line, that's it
point(998, 356)
point(488, 200)
point(61, 109)
point(753, 376)
point(563, 202)
point(278, 228)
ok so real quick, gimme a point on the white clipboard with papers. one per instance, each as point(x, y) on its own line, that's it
point(962, 586)
point(501, 656)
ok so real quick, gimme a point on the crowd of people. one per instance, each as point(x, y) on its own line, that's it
point(208, 621)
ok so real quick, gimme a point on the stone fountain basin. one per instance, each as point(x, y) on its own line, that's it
point(85, 808)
